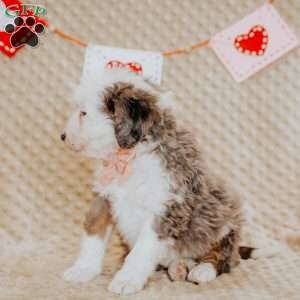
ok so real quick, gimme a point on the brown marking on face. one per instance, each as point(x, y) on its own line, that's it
point(98, 217)
point(133, 111)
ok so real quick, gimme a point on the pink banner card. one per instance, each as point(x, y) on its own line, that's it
point(254, 42)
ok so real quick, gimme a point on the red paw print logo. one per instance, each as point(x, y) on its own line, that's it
point(24, 31)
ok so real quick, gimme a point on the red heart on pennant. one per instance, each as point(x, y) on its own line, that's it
point(253, 43)
point(132, 66)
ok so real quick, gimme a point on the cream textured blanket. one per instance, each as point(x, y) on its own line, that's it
point(250, 133)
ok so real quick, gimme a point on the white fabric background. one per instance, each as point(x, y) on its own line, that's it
point(250, 133)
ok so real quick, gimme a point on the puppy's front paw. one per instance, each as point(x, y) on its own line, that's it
point(81, 273)
point(204, 272)
point(124, 283)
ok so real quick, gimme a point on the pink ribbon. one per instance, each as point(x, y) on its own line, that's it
point(117, 166)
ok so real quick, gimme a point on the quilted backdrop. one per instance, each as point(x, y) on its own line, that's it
point(250, 133)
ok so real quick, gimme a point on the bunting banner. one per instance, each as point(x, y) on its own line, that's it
point(244, 48)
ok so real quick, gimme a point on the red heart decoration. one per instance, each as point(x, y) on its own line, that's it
point(132, 66)
point(253, 43)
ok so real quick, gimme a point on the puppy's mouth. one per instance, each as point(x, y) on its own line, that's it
point(76, 148)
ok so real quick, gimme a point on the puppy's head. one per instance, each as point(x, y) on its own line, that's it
point(133, 111)
point(118, 112)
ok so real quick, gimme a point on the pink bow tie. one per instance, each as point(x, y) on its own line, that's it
point(117, 166)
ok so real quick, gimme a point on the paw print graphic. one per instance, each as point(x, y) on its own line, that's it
point(25, 31)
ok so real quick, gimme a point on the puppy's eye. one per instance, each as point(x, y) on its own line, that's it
point(82, 114)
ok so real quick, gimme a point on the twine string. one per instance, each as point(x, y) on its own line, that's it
point(68, 37)
point(169, 53)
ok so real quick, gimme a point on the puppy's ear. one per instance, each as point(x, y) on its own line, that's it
point(138, 109)
point(135, 115)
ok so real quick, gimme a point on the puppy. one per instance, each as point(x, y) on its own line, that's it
point(153, 184)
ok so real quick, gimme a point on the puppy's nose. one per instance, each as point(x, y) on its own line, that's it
point(63, 136)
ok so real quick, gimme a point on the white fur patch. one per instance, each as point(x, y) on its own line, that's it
point(138, 198)
point(203, 272)
point(140, 263)
point(89, 262)
point(265, 252)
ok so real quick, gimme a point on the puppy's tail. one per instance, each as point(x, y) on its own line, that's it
point(256, 253)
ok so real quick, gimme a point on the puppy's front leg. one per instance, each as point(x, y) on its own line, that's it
point(139, 264)
point(98, 228)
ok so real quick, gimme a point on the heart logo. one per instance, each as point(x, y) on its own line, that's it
point(253, 43)
point(132, 66)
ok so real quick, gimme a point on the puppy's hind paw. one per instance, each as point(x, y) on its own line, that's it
point(81, 273)
point(204, 272)
point(178, 269)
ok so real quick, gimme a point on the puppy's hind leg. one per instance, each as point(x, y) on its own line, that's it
point(98, 228)
point(219, 260)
